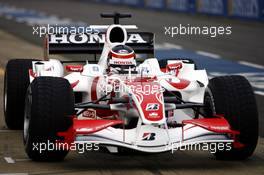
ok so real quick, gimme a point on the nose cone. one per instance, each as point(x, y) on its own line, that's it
point(149, 101)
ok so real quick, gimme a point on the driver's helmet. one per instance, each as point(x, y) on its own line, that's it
point(121, 58)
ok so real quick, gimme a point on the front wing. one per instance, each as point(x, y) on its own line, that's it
point(150, 138)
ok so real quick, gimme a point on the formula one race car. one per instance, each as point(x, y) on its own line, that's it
point(122, 103)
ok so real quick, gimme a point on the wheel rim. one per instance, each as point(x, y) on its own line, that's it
point(5, 93)
point(209, 109)
point(27, 115)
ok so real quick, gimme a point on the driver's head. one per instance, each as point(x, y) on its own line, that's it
point(121, 57)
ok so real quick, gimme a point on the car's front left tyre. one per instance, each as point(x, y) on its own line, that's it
point(233, 97)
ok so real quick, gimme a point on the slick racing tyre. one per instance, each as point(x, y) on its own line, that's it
point(163, 62)
point(233, 97)
point(16, 82)
point(48, 109)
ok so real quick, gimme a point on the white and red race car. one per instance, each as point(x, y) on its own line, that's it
point(151, 106)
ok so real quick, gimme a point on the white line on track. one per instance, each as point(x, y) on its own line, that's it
point(259, 93)
point(172, 46)
point(168, 46)
point(251, 64)
point(9, 160)
point(8, 131)
point(22, 160)
point(13, 173)
point(208, 54)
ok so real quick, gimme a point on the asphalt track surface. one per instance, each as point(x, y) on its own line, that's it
point(221, 55)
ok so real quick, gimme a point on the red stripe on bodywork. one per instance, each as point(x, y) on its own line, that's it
point(93, 89)
point(91, 126)
point(74, 68)
point(85, 127)
point(31, 73)
point(163, 70)
point(132, 55)
point(74, 84)
point(219, 125)
point(181, 85)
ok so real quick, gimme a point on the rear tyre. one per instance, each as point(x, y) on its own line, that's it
point(15, 86)
point(233, 97)
point(48, 110)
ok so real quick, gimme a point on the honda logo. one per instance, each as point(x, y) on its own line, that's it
point(89, 38)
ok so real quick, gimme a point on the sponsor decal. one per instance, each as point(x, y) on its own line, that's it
point(122, 62)
point(174, 66)
point(152, 107)
point(224, 128)
point(89, 113)
point(135, 38)
point(153, 114)
point(148, 136)
point(95, 68)
point(50, 68)
point(74, 68)
point(145, 70)
point(89, 38)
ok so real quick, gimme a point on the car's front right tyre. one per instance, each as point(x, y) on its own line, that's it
point(48, 109)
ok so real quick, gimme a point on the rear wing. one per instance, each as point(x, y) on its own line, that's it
point(141, 42)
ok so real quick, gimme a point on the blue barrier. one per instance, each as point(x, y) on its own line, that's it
point(212, 7)
point(113, 1)
point(181, 5)
point(240, 9)
point(155, 4)
point(138, 3)
point(249, 9)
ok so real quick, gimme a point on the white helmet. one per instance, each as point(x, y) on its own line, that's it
point(121, 58)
